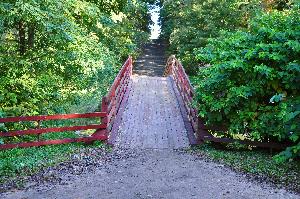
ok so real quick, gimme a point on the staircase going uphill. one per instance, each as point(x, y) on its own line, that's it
point(153, 59)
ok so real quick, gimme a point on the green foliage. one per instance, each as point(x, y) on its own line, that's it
point(251, 82)
point(290, 152)
point(189, 24)
point(14, 162)
point(248, 56)
point(56, 56)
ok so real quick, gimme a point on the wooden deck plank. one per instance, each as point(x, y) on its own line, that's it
point(188, 125)
point(151, 117)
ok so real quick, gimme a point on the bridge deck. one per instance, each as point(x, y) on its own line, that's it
point(151, 117)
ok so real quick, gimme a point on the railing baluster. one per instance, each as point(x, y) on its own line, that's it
point(38, 127)
point(118, 89)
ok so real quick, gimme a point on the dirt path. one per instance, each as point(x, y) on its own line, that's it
point(162, 174)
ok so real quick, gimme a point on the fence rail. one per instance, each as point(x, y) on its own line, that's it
point(109, 108)
point(117, 92)
point(185, 88)
point(38, 130)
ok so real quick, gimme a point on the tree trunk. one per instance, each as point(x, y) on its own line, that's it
point(22, 41)
point(31, 30)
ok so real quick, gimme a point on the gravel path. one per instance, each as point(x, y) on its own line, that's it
point(148, 174)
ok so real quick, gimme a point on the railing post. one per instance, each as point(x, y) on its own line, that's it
point(201, 131)
point(104, 120)
point(104, 108)
point(130, 65)
point(170, 63)
point(38, 127)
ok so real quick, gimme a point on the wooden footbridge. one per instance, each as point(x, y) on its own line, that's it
point(151, 108)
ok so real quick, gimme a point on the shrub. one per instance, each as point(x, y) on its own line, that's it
point(252, 82)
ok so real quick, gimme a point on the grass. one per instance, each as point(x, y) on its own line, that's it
point(25, 161)
point(258, 163)
point(19, 162)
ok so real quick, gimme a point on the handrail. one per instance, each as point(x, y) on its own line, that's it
point(52, 117)
point(126, 65)
point(37, 130)
point(117, 92)
point(185, 88)
point(171, 62)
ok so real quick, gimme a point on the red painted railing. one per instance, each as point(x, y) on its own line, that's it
point(109, 108)
point(185, 88)
point(117, 92)
point(201, 131)
point(98, 135)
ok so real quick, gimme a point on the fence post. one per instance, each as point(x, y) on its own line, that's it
point(130, 65)
point(38, 127)
point(104, 104)
point(202, 132)
point(104, 120)
point(170, 62)
point(104, 108)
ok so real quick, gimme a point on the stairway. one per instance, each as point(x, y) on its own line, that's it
point(153, 59)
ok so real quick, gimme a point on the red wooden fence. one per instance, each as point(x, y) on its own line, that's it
point(185, 88)
point(109, 109)
point(202, 132)
point(38, 130)
point(117, 92)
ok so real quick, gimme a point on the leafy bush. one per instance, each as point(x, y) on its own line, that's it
point(55, 54)
point(252, 80)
